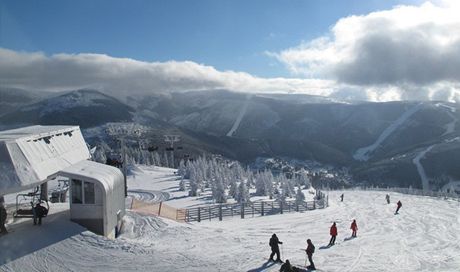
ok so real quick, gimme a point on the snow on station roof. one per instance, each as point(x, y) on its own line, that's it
point(32, 155)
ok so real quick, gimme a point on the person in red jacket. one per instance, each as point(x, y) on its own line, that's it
point(333, 232)
point(354, 228)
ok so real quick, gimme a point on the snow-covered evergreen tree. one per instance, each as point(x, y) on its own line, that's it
point(243, 193)
point(260, 184)
point(299, 196)
point(218, 193)
point(182, 186)
point(233, 189)
point(181, 169)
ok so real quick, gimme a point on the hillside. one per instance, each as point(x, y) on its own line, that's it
point(378, 142)
point(410, 241)
point(86, 108)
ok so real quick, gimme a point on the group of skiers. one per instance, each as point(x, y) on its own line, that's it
point(287, 267)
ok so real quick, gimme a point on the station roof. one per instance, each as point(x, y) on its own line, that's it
point(32, 155)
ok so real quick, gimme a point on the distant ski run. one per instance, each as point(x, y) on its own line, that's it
point(240, 117)
point(365, 153)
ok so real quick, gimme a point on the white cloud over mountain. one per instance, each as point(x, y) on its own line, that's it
point(409, 51)
point(123, 76)
point(405, 53)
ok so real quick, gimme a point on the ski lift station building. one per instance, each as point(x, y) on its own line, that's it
point(31, 156)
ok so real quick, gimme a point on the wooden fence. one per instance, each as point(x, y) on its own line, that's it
point(251, 209)
point(159, 209)
point(219, 211)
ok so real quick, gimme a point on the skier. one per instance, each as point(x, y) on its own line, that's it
point(354, 228)
point(310, 250)
point(39, 212)
point(287, 267)
point(2, 217)
point(275, 248)
point(388, 198)
point(333, 232)
point(341, 198)
point(399, 206)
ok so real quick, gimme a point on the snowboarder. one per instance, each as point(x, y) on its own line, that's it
point(39, 212)
point(399, 206)
point(341, 198)
point(310, 250)
point(333, 233)
point(286, 267)
point(2, 217)
point(354, 228)
point(275, 248)
point(387, 197)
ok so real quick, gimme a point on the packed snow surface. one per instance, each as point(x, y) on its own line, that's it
point(423, 237)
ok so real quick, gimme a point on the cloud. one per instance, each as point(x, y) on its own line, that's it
point(411, 52)
point(122, 76)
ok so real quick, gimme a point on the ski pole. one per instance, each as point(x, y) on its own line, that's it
point(282, 250)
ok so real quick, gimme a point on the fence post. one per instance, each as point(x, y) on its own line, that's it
point(242, 210)
point(199, 214)
point(289, 206)
point(314, 204)
point(210, 214)
point(281, 207)
point(262, 212)
point(232, 205)
point(220, 212)
point(252, 205)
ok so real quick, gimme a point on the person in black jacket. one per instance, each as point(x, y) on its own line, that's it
point(275, 248)
point(310, 250)
point(2, 218)
point(39, 212)
point(287, 267)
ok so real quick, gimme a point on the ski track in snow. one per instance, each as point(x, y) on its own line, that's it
point(148, 196)
point(423, 237)
point(240, 116)
point(420, 169)
point(364, 153)
point(450, 128)
point(449, 110)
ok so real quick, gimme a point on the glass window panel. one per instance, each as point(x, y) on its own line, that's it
point(77, 191)
point(89, 193)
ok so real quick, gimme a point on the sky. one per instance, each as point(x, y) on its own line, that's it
point(368, 50)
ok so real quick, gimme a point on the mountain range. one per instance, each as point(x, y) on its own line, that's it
point(382, 143)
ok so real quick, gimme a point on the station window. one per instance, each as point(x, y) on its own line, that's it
point(89, 193)
point(77, 192)
point(83, 192)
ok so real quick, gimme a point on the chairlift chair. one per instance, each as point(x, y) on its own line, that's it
point(152, 148)
point(33, 198)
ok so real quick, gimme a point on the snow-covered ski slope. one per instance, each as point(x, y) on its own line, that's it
point(240, 116)
point(365, 153)
point(423, 237)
